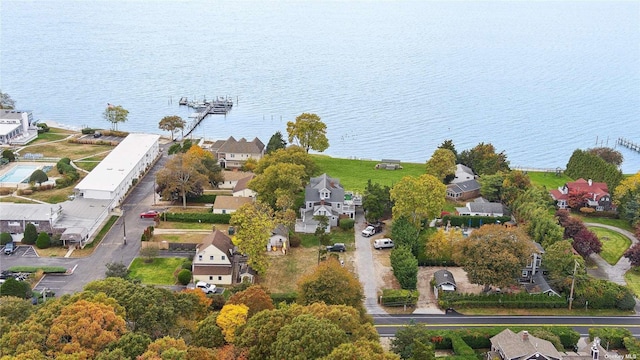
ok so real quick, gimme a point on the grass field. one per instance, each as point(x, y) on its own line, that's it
point(633, 280)
point(285, 270)
point(158, 272)
point(16, 200)
point(353, 174)
point(337, 236)
point(613, 244)
point(619, 223)
point(548, 180)
point(66, 149)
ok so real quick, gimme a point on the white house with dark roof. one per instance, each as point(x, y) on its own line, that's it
point(326, 197)
point(232, 153)
point(463, 173)
point(213, 259)
point(482, 207)
point(508, 345)
point(16, 127)
point(231, 178)
point(229, 204)
point(242, 189)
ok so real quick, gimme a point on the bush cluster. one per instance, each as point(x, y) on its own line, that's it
point(393, 297)
point(583, 164)
point(512, 301)
point(44, 269)
point(5, 238)
point(602, 294)
point(475, 221)
point(610, 337)
point(288, 298)
point(203, 199)
point(87, 131)
point(209, 218)
point(43, 128)
point(405, 267)
point(70, 175)
point(346, 224)
point(147, 234)
point(43, 241)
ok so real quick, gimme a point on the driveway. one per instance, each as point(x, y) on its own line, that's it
point(614, 273)
point(365, 268)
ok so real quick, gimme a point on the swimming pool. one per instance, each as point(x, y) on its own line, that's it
point(19, 174)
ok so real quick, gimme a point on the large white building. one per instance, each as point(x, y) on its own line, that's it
point(14, 127)
point(113, 177)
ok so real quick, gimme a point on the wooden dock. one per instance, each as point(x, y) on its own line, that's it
point(218, 106)
point(628, 144)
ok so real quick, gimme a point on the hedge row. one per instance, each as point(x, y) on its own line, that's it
point(203, 199)
point(197, 217)
point(288, 298)
point(480, 338)
point(45, 269)
point(610, 337)
point(393, 297)
point(510, 301)
point(475, 221)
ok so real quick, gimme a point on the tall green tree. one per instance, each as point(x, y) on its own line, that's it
point(318, 337)
point(406, 233)
point(6, 102)
point(483, 159)
point(38, 177)
point(583, 164)
point(115, 114)
point(408, 341)
point(405, 267)
point(308, 131)
point(419, 198)
point(442, 164)
point(254, 223)
point(275, 142)
point(13, 287)
point(448, 144)
point(278, 180)
point(172, 124)
point(560, 260)
point(376, 201)
point(494, 255)
point(491, 186)
point(627, 197)
point(30, 234)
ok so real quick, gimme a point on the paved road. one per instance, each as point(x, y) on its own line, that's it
point(111, 249)
point(365, 267)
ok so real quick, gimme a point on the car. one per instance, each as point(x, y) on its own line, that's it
point(337, 247)
point(383, 244)
point(97, 134)
point(206, 287)
point(369, 231)
point(10, 248)
point(151, 214)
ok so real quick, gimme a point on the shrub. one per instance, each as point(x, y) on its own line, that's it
point(217, 302)
point(294, 240)
point(346, 224)
point(30, 234)
point(288, 298)
point(587, 210)
point(6, 191)
point(186, 265)
point(610, 337)
point(405, 267)
point(5, 238)
point(393, 297)
point(209, 218)
point(475, 221)
point(25, 192)
point(203, 199)
point(43, 241)
point(87, 131)
point(44, 269)
point(509, 301)
point(13, 287)
point(38, 176)
point(43, 128)
point(9, 155)
point(184, 276)
point(460, 347)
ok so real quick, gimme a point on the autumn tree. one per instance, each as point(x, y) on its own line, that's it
point(484, 160)
point(332, 284)
point(627, 198)
point(165, 348)
point(13, 310)
point(607, 154)
point(292, 155)
point(208, 333)
point(514, 184)
point(231, 317)
point(278, 180)
point(115, 114)
point(318, 337)
point(572, 225)
point(6, 102)
point(577, 199)
point(179, 177)
point(253, 223)
point(376, 201)
point(559, 260)
point(231, 352)
point(256, 298)
point(38, 177)
point(419, 198)
point(440, 244)
point(494, 255)
point(275, 142)
point(412, 339)
point(586, 243)
point(205, 163)
point(442, 164)
point(85, 326)
point(172, 124)
point(360, 350)
point(309, 132)
point(633, 254)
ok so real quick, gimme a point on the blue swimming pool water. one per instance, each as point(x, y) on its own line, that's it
point(18, 174)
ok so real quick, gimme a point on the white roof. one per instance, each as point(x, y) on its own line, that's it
point(6, 128)
point(111, 171)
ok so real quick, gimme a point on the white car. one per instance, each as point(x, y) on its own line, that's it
point(206, 287)
point(369, 231)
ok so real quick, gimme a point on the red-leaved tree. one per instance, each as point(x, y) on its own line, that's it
point(633, 254)
point(573, 226)
point(586, 243)
point(577, 199)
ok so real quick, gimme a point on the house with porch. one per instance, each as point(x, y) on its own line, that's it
point(232, 153)
point(444, 281)
point(596, 194)
point(213, 261)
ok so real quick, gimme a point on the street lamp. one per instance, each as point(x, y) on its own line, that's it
point(124, 227)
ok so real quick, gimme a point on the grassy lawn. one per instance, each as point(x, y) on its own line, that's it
point(619, 223)
point(158, 272)
point(633, 280)
point(52, 196)
point(613, 244)
point(544, 312)
point(190, 226)
point(16, 200)
point(67, 149)
point(337, 236)
point(189, 238)
point(353, 174)
point(285, 270)
point(548, 180)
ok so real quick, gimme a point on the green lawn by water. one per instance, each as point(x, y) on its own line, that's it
point(613, 244)
point(159, 272)
point(548, 180)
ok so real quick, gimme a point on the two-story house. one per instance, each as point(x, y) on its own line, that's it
point(482, 207)
point(464, 186)
point(533, 275)
point(213, 259)
point(232, 153)
point(325, 196)
point(596, 194)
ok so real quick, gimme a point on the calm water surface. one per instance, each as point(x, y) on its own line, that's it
point(391, 79)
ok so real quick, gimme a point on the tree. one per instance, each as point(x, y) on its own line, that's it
point(30, 234)
point(577, 199)
point(410, 339)
point(232, 317)
point(6, 102)
point(13, 310)
point(332, 284)
point(9, 155)
point(494, 255)
point(586, 243)
point(38, 176)
point(515, 183)
point(583, 164)
point(278, 180)
point(184, 276)
point(559, 260)
point(43, 241)
point(405, 233)
point(543, 228)
point(115, 114)
point(376, 201)
point(607, 154)
point(276, 142)
point(633, 254)
point(149, 253)
point(418, 198)
point(255, 297)
point(165, 348)
point(440, 244)
point(491, 186)
point(231, 352)
point(360, 350)
point(484, 160)
point(448, 144)
point(5, 238)
point(85, 326)
point(117, 269)
point(292, 155)
point(181, 178)
point(572, 225)
point(309, 132)
point(442, 164)
point(318, 337)
point(253, 223)
point(208, 333)
point(132, 344)
point(405, 267)
point(172, 124)
point(13, 287)
point(627, 198)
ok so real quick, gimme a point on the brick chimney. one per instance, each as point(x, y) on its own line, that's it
point(525, 335)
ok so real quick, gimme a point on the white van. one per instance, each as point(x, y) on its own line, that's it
point(382, 243)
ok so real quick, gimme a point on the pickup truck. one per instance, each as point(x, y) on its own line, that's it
point(369, 231)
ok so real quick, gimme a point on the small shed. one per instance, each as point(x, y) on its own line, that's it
point(444, 280)
point(75, 235)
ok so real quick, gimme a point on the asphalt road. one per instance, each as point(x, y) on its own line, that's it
point(387, 325)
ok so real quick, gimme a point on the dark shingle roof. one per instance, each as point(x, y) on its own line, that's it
point(219, 240)
point(312, 191)
point(464, 186)
point(242, 146)
point(443, 277)
point(519, 346)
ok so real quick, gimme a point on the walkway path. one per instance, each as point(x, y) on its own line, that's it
point(607, 271)
point(365, 267)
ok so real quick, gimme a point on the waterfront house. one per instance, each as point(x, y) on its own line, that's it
point(596, 194)
point(482, 207)
point(213, 259)
point(232, 153)
point(17, 127)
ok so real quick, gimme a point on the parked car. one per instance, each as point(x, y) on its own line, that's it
point(10, 248)
point(369, 231)
point(383, 244)
point(151, 214)
point(337, 247)
point(97, 134)
point(206, 287)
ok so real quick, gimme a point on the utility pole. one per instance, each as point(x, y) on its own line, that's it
point(124, 228)
point(573, 282)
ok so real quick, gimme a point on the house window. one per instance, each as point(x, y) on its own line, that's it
point(223, 257)
point(211, 257)
point(338, 205)
point(525, 273)
point(219, 278)
point(232, 155)
point(210, 277)
point(199, 257)
point(224, 211)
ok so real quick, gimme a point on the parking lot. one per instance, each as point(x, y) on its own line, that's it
point(21, 251)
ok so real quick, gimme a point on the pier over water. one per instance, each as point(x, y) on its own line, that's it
point(218, 106)
point(628, 144)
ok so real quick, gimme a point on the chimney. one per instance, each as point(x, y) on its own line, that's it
point(525, 335)
point(590, 182)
